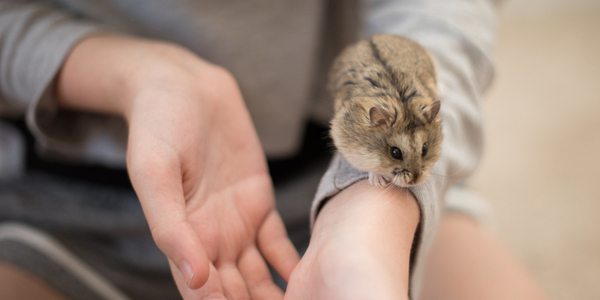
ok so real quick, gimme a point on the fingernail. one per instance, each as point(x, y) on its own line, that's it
point(187, 272)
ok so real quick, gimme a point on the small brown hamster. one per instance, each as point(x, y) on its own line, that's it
point(386, 106)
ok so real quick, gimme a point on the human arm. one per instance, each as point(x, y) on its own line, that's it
point(194, 160)
point(459, 34)
point(360, 246)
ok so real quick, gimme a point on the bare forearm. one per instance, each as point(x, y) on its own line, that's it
point(360, 246)
point(384, 221)
point(103, 72)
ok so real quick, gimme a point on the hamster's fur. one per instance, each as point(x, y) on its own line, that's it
point(386, 105)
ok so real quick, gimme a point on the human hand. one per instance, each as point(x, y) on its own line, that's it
point(197, 166)
point(360, 247)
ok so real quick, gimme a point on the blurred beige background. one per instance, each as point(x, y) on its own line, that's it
point(541, 171)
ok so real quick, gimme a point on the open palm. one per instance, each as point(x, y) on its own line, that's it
point(197, 166)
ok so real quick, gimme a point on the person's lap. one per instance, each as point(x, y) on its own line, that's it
point(465, 262)
point(16, 284)
point(468, 262)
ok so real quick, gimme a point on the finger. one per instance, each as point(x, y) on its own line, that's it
point(234, 284)
point(260, 284)
point(157, 182)
point(276, 246)
point(180, 243)
point(212, 286)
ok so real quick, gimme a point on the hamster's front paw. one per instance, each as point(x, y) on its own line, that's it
point(378, 180)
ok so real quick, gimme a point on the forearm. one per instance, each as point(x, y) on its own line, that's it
point(365, 235)
point(194, 161)
point(104, 72)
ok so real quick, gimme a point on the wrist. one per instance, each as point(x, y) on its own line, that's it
point(105, 73)
point(365, 203)
point(163, 70)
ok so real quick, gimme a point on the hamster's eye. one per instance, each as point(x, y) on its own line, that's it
point(424, 151)
point(396, 153)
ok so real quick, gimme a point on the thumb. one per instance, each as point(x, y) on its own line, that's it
point(180, 243)
point(161, 194)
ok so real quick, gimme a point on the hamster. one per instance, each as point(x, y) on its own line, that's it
point(386, 105)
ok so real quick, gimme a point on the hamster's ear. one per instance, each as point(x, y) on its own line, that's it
point(379, 116)
point(431, 111)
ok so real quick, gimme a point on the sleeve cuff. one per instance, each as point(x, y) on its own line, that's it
point(70, 135)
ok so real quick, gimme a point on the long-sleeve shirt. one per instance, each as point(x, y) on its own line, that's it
point(279, 51)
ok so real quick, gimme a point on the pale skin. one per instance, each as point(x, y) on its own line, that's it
point(197, 166)
point(346, 259)
point(194, 160)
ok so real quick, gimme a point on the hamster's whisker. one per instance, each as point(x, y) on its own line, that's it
point(447, 176)
point(461, 168)
point(395, 193)
point(438, 175)
point(374, 187)
point(389, 186)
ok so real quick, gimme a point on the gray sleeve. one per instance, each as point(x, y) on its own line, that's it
point(460, 35)
point(35, 39)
